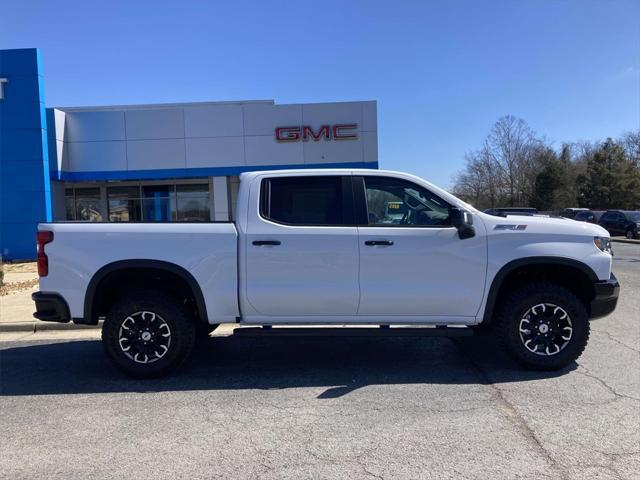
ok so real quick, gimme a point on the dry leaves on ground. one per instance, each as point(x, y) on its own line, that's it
point(17, 286)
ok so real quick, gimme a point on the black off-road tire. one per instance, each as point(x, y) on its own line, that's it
point(181, 327)
point(516, 305)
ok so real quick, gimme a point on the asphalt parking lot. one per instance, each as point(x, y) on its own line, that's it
point(328, 408)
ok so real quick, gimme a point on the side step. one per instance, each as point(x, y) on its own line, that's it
point(353, 332)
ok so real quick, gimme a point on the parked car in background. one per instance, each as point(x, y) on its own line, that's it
point(586, 216)
point(504, 211)
point(572, 212)
point(621, 222)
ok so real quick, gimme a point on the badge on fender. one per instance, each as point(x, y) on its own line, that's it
point(510, 227)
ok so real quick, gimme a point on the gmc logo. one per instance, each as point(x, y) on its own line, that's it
point(344, 131)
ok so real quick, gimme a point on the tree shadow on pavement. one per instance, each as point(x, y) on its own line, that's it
point(342, 365)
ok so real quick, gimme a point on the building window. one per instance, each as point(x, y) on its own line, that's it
point(124, 204)
point(159, 203)
point(192, 203)
point(83, 204)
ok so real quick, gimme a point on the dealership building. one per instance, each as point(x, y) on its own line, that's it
point(152, 163)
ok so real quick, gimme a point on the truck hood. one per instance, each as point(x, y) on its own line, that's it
point(541, 224)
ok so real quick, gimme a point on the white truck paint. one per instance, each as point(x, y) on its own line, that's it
point(424, 274)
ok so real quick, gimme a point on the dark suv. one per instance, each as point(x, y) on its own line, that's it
point(621, 222)
point(586, 216)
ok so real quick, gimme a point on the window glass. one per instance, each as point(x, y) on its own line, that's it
point(158, 203)
point(392, 201)
point(88, 205)
point(303, 200)
point(70, 203)
point(124, 204)
point(584, 215)
point(192, 203)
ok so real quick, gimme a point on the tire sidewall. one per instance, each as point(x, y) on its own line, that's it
point(181, 326)
point(529, 297)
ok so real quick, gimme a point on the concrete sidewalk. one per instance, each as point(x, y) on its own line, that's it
point(16, 306)
point(16, 314)
point(626, 240)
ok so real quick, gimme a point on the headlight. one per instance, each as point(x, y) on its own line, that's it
point(603, 243)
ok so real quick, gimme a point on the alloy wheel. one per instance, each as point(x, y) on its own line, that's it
point(545, 329)
point(144, 337)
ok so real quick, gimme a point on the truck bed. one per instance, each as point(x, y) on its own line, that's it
point(208, 251)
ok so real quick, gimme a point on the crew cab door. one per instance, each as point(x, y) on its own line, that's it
point(301, 248)
point(412, 261)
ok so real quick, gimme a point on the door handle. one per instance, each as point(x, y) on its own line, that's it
point(260, 243)
point(373, 243)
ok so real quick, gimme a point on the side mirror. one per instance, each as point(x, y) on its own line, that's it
point(463, 221)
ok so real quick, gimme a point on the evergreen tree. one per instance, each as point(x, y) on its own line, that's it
point(611, 180)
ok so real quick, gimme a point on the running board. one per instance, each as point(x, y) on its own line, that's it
point(353, 332)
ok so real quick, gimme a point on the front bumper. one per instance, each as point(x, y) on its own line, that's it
point(50, 307)
point(606, 297)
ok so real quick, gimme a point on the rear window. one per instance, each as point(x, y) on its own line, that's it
point(314, 201)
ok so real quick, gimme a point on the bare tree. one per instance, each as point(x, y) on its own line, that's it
point(514, 167)
point(631, 143)
point(509, 146)
point(503, 171)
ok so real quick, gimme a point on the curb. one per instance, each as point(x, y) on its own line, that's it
point(625, 240)
point(43, 326)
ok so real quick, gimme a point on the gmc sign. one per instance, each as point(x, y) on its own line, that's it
point(343, 131)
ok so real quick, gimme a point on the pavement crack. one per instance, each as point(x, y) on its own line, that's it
point(370, 473)
point(585, 371)
point(616, 340)
point(512, 414)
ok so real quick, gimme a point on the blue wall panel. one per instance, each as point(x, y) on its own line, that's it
point(25, 197)
point(21, 145)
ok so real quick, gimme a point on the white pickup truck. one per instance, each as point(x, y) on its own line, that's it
point(330, 247)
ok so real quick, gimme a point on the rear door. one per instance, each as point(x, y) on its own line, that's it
point(302, 248)
point(412, 261)
point(621, 223)
point(605, 220)
point(612, 221)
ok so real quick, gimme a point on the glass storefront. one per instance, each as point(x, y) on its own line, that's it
point(192, 203)
point(83, 204)
point(140, 203)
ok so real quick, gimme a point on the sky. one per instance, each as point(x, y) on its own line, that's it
point(442, 72)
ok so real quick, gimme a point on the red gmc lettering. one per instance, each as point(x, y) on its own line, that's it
point(287, 134)
point(343, 131)
point(338, 135)
point(324, 131)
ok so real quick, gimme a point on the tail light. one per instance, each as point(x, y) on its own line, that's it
point(44, 237)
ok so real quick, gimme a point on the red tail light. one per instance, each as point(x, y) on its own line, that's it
point(44, 237)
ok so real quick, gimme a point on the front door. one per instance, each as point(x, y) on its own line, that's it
point(412, 261)
point(302, 249)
